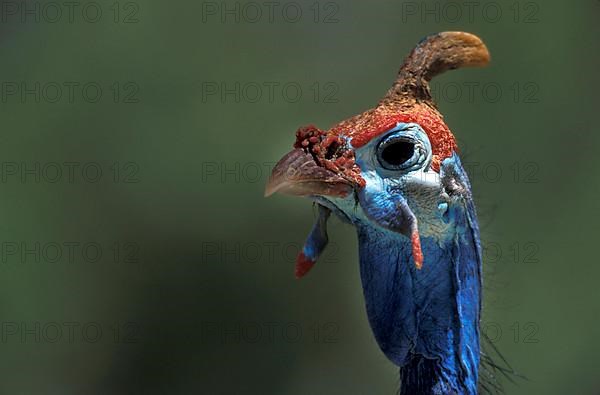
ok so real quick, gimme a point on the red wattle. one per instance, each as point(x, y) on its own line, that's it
point(416, 249)
point(303, 265)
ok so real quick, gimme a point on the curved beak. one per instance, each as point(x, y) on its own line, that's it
point(298, 174)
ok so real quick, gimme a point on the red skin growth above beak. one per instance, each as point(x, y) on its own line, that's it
point(330, 151)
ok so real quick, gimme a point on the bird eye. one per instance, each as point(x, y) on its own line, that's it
point(399, 153)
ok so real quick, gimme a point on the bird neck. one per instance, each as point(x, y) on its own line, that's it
point(425, 321)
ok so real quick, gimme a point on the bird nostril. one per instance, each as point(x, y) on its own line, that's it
point(331, 150)
point(334, 147)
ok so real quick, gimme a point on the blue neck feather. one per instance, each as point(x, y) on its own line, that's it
point(426, 321)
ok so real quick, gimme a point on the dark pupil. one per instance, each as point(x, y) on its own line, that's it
point(397, 153)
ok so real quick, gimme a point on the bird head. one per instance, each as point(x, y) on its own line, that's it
point(393, 172)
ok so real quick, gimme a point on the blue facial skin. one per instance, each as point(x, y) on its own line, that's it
point(425, 321)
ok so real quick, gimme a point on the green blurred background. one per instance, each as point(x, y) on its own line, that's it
point(194, 289)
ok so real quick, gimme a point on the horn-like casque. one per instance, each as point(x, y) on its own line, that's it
point(432, 56)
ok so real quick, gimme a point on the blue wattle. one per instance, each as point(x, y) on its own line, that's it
point(427, 321)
